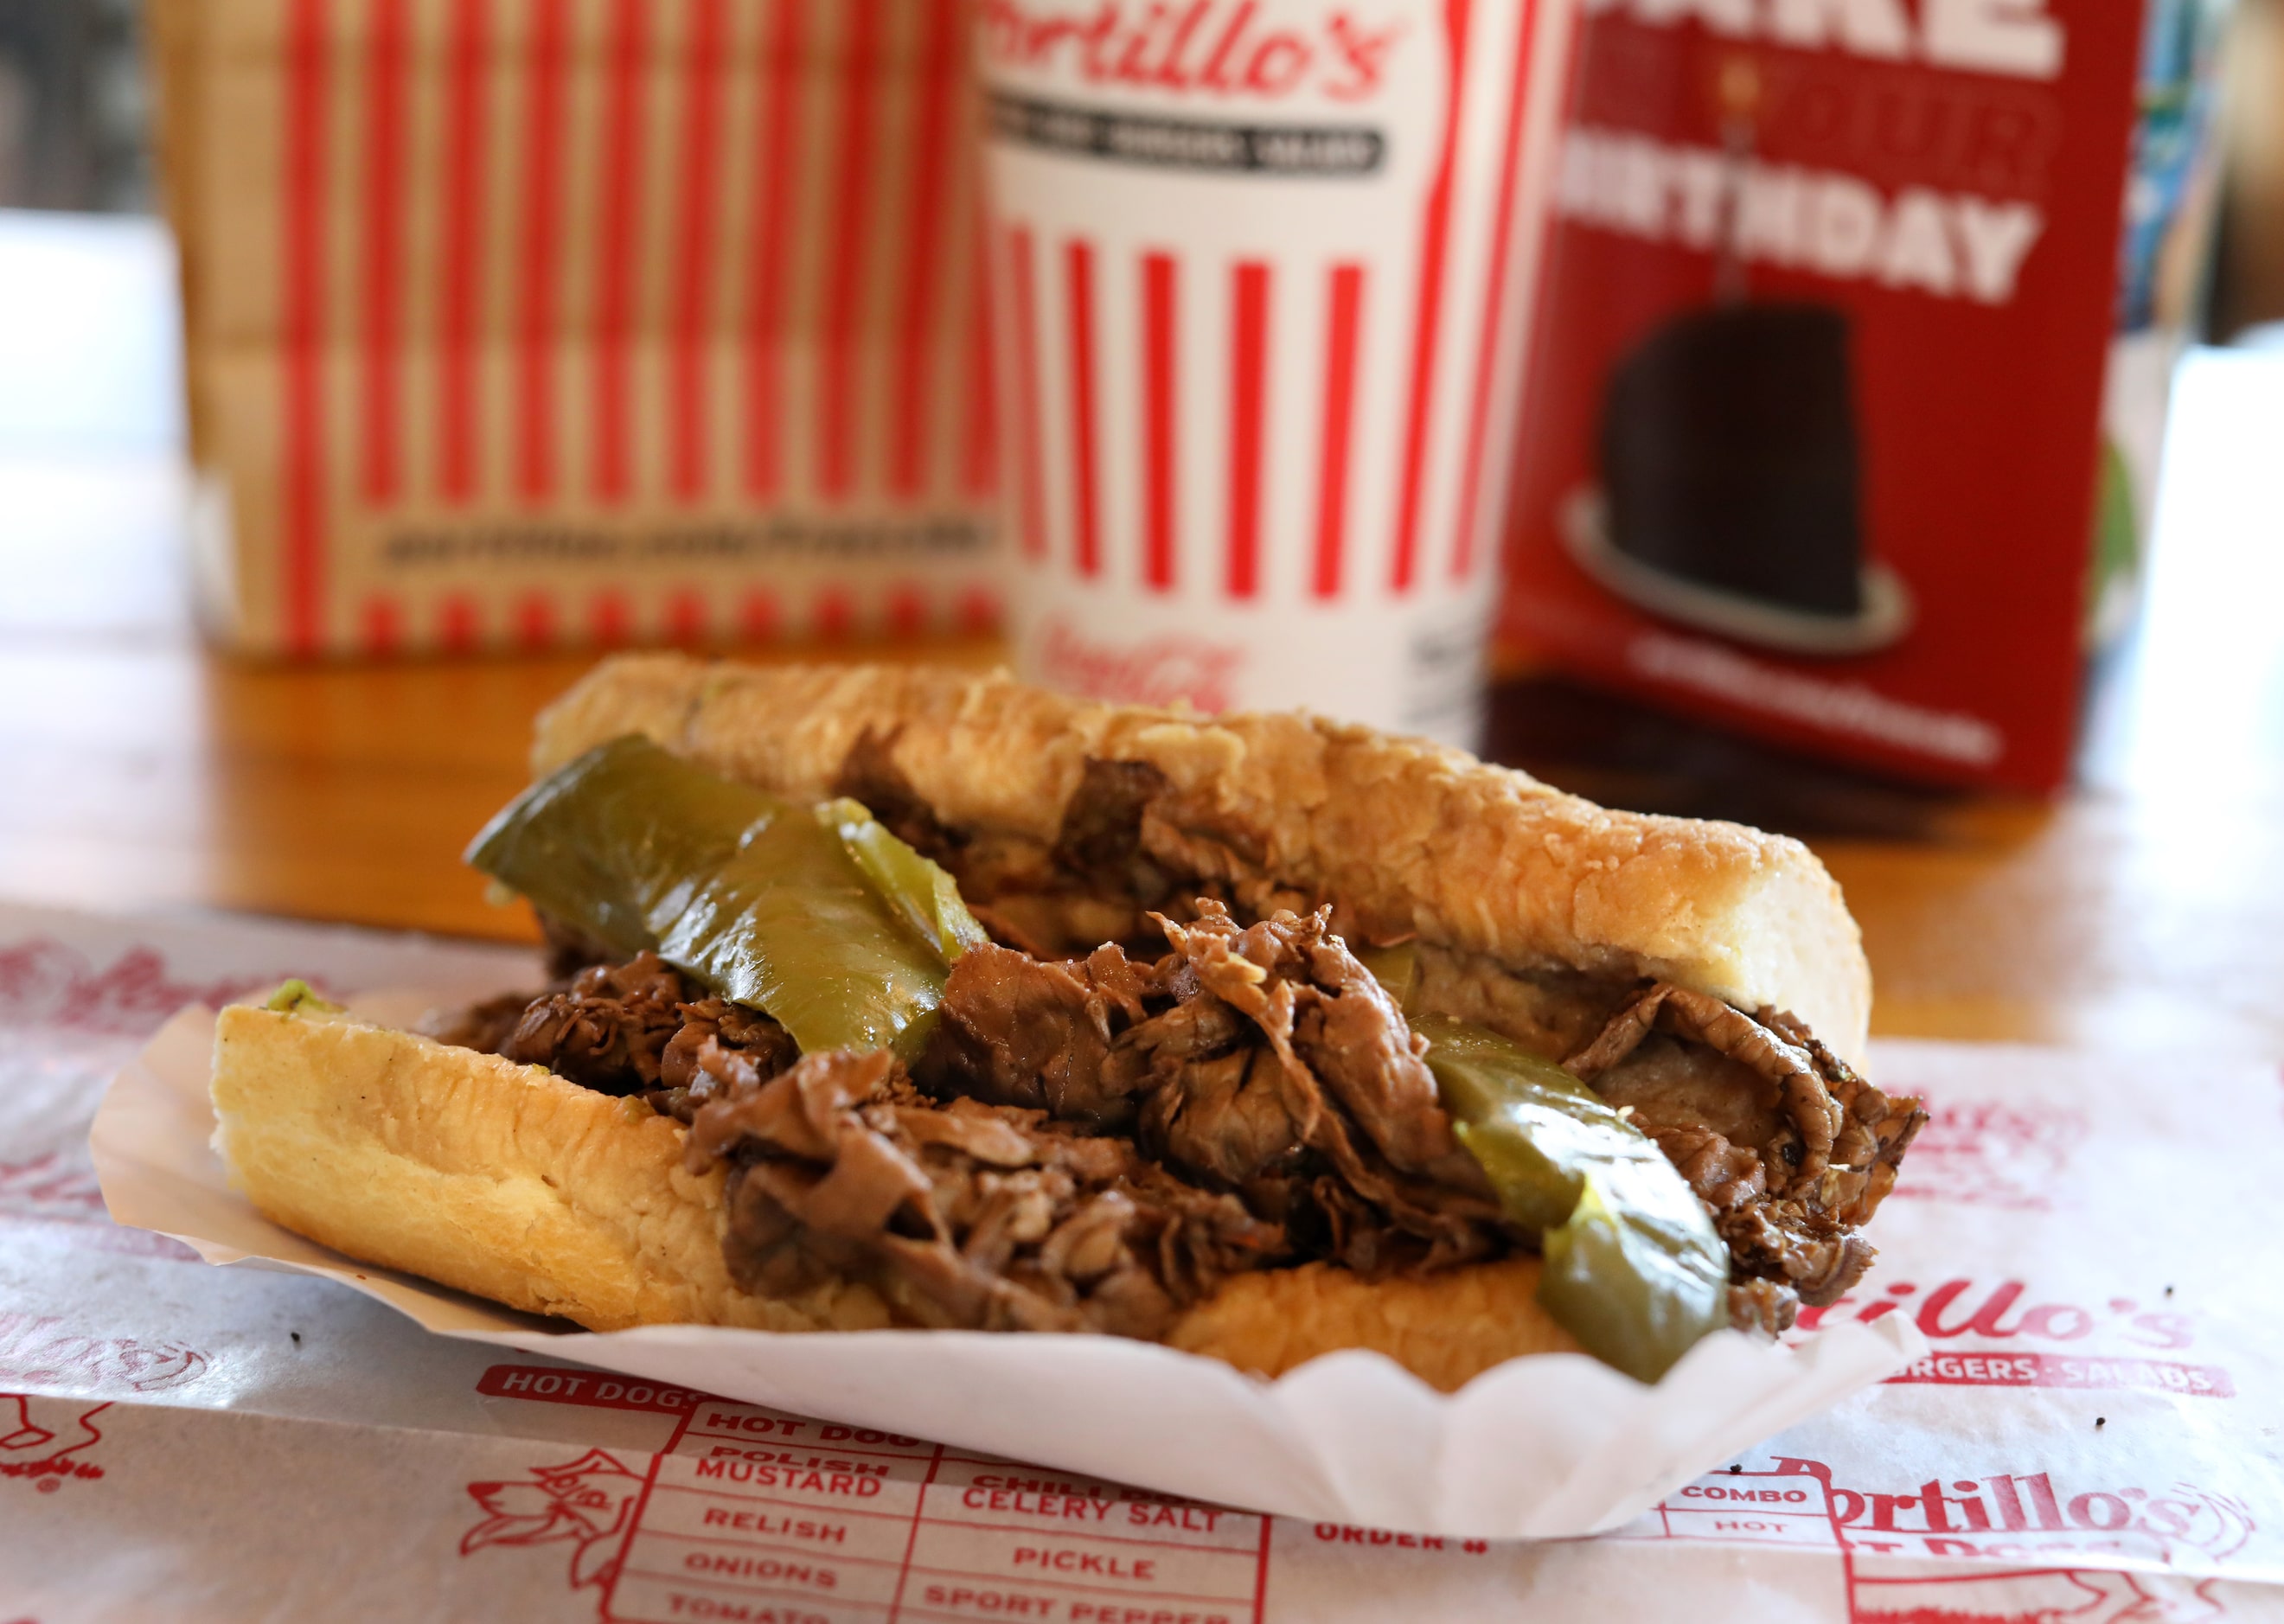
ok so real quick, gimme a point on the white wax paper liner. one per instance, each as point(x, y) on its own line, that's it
point(1554, 1446)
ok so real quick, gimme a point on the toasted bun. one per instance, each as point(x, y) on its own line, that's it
point(516, 1184)
point(513, 1183)
point(496, 1178)
point(1507, 874)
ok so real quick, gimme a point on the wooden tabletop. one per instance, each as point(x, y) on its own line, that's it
point(2145, 908)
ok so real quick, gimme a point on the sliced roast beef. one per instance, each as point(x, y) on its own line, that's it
point(1169, 1069)
point(960, 1214)
point(629, 1029)
point(1260, 1059)
point(1788, 1148)
point(1762, 1306)
point(1015, 1031)
point(608, 1029)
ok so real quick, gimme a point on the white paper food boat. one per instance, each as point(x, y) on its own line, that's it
point(1552, 1446)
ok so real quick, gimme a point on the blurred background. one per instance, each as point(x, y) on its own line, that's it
point(76, 110)
point(140, 765)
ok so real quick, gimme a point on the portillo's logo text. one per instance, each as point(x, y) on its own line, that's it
point(1997, 1312)
point(2018, 1513)
point(1210, 48)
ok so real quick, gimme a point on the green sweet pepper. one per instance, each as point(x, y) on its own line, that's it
point(1634, 1270)
point(837, 929)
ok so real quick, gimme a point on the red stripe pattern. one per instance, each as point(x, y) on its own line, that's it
point(610, 618)
point(302, 348)
point(907, 613)
point(1078, 296)
point(535, 621)
point(458, 625)
point(1159, 322)
point(979, 611)
point(1435, 232)
point(1023, 298)
point(693, 288)
point(384, 250)
point(979, 450)
point(460, 264)
point(687, 619)
point(758, 620)
point(1249, 410)
point(934, 130)
point(1343, 324)
point(1488, 350)
point(515, 218)
point(541, 278)
point(835, 614)
point(850, 199)
point(383, 628)
point(773, 223)
point(616, 250)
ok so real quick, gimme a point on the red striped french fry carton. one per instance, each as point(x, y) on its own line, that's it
point(1262, 271)
point(528, 323)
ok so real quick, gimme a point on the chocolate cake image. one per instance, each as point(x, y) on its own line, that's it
point(1731, 483)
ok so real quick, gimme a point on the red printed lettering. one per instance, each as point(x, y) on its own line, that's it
point(723, 1421)
point(584, 1387)
point(849, 1484)
point(774, 1570)
point(1067, 1560)
point(1363, 54)
point(1002, 1604)
point(2104, 1511)
point(866, 1436)
point(1077, 1508)
point(1221, 48)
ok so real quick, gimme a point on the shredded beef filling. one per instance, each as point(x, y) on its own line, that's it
point(1098, 1135)
point(959, 1214)
point(634, 1028)
point(1115, 862)
point(1786, 1146)
point(1265, 1061)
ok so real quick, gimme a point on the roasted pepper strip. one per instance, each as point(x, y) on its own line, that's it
point(617, 839)
point(754, 897)
point(914, 886)
point(1634, 1270)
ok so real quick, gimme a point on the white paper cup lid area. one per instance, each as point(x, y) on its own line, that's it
point(1554, 1446)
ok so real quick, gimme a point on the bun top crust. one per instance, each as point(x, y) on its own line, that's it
point(1410, 836)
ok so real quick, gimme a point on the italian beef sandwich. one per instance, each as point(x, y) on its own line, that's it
point(912, 997)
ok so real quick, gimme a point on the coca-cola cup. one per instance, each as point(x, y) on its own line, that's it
point(1263, 272)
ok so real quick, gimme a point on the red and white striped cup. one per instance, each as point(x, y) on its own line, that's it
point(1263, 271)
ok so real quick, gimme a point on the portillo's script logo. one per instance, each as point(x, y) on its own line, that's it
point(1213, 48)
point(2000, 1334)
point(1997, 1311)
point(2016, 1515)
